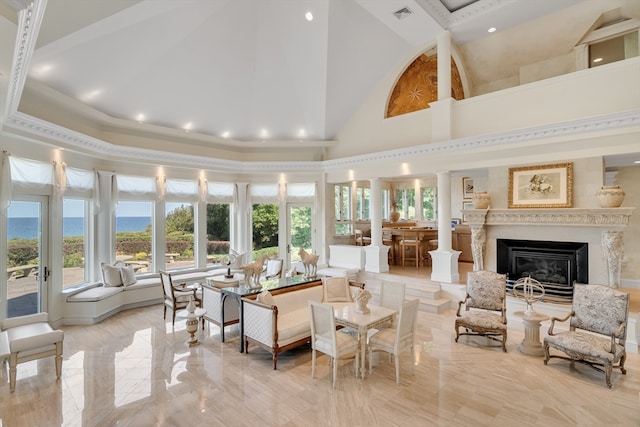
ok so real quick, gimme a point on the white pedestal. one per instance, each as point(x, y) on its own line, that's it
point(444, 266)
point(376, 258)
point(531, 344)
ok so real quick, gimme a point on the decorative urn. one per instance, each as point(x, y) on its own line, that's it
point(481, 200)
point(610, 196)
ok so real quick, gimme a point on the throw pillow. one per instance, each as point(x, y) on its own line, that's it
point(336, 289)
point(266, 298)
point(128, 276)
point(111, 274)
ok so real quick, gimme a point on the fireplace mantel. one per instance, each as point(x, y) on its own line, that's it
point(610, 222)
point(613, 218)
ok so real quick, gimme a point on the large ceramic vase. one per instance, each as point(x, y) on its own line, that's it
point(610, 196)
point(394, 216)
point(481, 200)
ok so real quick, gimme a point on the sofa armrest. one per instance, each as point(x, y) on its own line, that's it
point(260, 321)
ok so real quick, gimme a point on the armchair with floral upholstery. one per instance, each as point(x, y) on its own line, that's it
point(485, 307)
point(597, 330)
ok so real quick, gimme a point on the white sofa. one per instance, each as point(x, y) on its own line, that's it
point(92, 304)
point(285, 324)
point(344, 260)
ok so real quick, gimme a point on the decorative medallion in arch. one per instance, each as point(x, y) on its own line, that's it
point(418, 86)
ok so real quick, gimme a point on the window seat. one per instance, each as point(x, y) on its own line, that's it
point(92, 304)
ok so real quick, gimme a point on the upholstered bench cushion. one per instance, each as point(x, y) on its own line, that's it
point(338, 272)
point(293, 325)
point(147, 282)
point(95, 294)
point(481, 319)
point(33, 337)
point(584, 344)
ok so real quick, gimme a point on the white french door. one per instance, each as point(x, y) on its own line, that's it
point(27, 270)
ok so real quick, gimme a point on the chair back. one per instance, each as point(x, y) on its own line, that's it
point(392, 294)
point(600, 309)
point(486, 290)
point(407, 320)
point(273, 268)
point(167, 285)
point(323, 328)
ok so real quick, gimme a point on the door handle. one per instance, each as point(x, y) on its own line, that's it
point(46, 273)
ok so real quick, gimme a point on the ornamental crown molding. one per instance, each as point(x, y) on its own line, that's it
point(607, 217)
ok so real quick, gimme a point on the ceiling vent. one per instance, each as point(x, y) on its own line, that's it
point(402, 13)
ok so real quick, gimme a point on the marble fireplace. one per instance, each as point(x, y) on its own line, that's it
point(598, 232)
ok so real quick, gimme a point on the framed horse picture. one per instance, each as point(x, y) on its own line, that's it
point(543, 186)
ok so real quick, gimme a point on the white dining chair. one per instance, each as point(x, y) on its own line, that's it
point(324, 338)
point(399, 339)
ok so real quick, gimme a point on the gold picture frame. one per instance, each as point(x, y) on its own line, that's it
point(467, 187)
point(541, 186)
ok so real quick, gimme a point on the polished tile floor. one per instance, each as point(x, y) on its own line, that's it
point(134, 369)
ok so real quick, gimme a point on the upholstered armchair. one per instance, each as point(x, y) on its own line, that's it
point(30, 337)
point(273, 268)
point(597, 330)
point(485, 307)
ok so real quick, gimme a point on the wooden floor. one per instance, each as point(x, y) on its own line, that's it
point(134, 369)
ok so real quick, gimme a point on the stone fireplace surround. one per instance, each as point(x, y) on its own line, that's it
point(601, 229)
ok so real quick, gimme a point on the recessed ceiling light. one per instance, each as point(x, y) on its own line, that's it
point(308, 16)
point(140, 118)
point(90, 95)
point(302, 133)
point(187, 127)
point(637, 162)
point(264, 133)
point(226, 134)
point(492, 30)
point(597, 60)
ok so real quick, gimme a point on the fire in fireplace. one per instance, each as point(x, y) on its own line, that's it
point(556, 265)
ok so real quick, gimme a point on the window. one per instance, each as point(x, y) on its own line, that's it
point(362, 204)
point(218, 231)
point(134, 224)
point(342, 203)
point(265, 218)
point(180, 243)
point(406, 200)
point(428, 202)
point(220, 197)
point(75, 241)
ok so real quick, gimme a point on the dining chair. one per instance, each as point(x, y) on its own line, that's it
point(177, 297)
point(387, 240)
point(411, 239)
point(398, 339)
point(325, 339)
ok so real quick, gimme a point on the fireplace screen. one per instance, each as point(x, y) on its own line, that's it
point(556, 265)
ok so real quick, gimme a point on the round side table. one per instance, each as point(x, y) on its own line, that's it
point(531, 344)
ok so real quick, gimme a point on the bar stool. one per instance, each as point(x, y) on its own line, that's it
point(432, 245)
point(411, 239)
point(387, 240)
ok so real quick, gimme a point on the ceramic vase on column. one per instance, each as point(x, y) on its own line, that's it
point(610, 196)
point(481, 200)
point(394, 216)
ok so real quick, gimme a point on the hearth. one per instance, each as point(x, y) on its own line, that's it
point(556, 265)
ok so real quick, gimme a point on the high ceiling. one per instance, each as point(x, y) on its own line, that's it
point(248, 70)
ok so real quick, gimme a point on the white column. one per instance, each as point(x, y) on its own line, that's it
point(104, 222)
point(375, 208)
point(243, 211)
point(376, 254)
point(445, 260)
point(444, 66)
